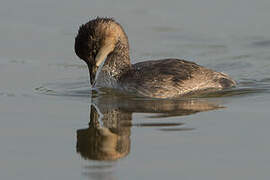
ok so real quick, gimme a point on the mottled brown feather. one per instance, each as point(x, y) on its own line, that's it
point(171, 78)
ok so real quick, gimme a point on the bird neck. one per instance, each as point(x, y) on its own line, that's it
point(118, 61)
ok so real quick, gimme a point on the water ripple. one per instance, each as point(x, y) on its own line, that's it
point(263, 43)
point(82, 89)
point(71, 89)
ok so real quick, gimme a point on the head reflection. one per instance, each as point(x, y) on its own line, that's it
point(105, 138)
point(108, 136)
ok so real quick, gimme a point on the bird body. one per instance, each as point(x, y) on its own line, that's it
point(103, 43)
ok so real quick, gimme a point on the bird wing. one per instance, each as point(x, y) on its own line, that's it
point(168, 78)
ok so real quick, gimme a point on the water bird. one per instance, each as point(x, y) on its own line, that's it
point(103, 44)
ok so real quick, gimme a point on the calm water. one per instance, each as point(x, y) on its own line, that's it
point(53, 127)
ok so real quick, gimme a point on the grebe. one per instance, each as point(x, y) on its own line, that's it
point(102, 42)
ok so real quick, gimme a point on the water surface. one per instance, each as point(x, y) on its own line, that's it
point(53, 127)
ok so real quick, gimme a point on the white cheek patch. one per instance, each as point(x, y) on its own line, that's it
point(100, 59)
point(106, 48)
point(98, 72)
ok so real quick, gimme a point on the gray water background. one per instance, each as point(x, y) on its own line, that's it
point(45, 96)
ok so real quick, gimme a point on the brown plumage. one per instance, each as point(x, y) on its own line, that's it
point(103, 40)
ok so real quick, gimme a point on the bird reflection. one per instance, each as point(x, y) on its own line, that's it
point(108, 136)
